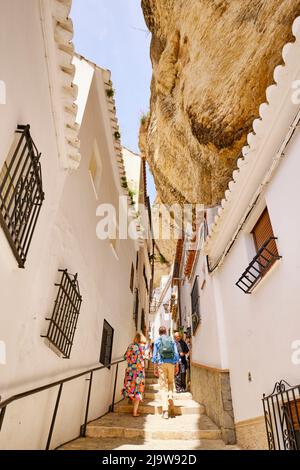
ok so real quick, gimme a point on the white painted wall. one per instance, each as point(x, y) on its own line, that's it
point(254, 333)
point(206, 341)
point(65, 237)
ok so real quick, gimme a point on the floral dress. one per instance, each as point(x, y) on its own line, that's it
point(134, 382)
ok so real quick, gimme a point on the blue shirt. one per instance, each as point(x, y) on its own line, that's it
point(156, 359)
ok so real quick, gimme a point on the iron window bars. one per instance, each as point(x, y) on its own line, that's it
point(65, 315)
point(196, 317)
point(136, 307)
point(258, 267)
point(106, 344)
point(282, 417)
point(21, 194)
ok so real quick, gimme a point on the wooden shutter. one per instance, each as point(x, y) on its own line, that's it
point(263, 231)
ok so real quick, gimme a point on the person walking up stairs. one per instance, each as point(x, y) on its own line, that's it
point(191, 428)
point(166, 366)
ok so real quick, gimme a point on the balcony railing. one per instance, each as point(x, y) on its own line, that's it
point(258, 267)
point(65, 315)
point(21, 194)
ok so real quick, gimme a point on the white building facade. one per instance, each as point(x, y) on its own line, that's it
point(242, 286)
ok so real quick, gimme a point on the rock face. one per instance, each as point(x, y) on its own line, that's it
point(212, 62)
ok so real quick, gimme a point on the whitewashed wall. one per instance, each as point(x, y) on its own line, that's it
point(254, 333)
point(65, 237)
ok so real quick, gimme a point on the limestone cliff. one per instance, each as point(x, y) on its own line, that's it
point(212, 62)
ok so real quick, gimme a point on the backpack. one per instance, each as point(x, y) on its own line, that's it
point(166, 347)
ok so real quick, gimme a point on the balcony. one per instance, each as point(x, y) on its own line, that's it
point(21, 194)
point(259, 266)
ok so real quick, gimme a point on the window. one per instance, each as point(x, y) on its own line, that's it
point(137, 262)
point(107, 344)
point(21, 194)
point(95, 169)
point(136, 308)
point(65, 315)
point(196, 318)
point(263, 232)
point(267, 254)
point(143, 323)
point(145, 279)
point(132, 278)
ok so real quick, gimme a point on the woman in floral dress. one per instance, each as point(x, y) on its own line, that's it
point(134, 383)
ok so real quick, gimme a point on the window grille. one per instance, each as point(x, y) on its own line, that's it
point(136, 308)
point(132, 278)
point(107, 344)
point(21, 194)
point(65, 315)
point(196, 317)
point(259, 266)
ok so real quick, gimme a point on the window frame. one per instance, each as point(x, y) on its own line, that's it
point(103, 350)
point(196, 314)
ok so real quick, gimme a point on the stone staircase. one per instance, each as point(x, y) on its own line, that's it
point(188, 429)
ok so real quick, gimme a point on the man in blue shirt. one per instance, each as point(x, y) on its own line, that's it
point(166, 366)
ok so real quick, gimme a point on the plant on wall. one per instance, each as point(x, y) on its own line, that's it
point(162, 259)
point(131, 195)
point(124, 183)
point(144, 118)
point(110, 92)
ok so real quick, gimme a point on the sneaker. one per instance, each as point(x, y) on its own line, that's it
point(165, 415)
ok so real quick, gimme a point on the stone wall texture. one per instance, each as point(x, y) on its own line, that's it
point(211, 388)
point(251, 434)
point(212, 62)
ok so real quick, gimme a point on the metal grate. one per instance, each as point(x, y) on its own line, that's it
point(258, 267)
point(65, 315)
point(21, 194)
point(136, 307)
point(282, 417)
point(196, 318)
point(106, 344)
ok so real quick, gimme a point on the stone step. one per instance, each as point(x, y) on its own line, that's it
point(151, 380)
point(181, 407)
point(149, 387)
point(190, 427)
point(155, 394)
point(130, 444)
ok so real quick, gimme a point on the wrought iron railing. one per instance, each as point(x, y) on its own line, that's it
point(60, 384)
point(258, 267)
point(65, 315)
point(21, 194)
point(282, 417)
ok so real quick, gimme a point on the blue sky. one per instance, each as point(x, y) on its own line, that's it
point(113, 34)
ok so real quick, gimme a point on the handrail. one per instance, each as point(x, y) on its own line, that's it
point(60, 383)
